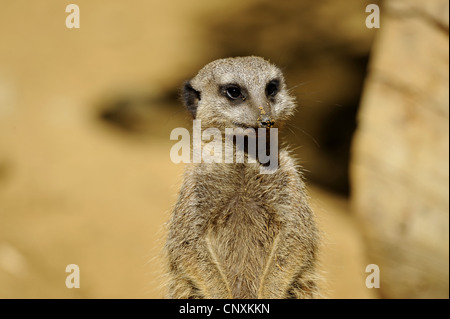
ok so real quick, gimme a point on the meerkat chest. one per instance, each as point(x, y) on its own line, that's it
point(242, 230)
point(244, 202)
point(241, 240)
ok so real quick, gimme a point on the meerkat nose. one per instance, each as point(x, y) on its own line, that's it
point(266, 122)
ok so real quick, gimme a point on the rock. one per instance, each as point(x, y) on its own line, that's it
point(400, 153)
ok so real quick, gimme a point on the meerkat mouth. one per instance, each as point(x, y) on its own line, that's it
point(244, 126)
point(256, 126)
point(254, 137)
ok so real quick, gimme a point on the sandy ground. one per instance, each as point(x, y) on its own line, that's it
point(75, 191)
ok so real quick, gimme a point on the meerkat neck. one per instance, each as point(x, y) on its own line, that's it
point(248, 150)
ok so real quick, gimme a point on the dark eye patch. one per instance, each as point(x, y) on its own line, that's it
point(232, 92)
point(272, 88)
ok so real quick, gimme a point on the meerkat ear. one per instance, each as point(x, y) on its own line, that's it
point(191, 98)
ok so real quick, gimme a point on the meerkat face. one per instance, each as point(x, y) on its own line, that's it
point(246, 92)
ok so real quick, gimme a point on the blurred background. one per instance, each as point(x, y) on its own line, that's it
point(85, 118)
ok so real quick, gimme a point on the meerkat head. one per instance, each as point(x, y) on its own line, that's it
point(246, 92)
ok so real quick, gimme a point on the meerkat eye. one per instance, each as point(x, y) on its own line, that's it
point(272, 88)
point(233, 92)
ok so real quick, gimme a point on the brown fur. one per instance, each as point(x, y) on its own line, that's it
point(236, 233)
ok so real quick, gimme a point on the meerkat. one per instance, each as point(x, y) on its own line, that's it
point(234, 232)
